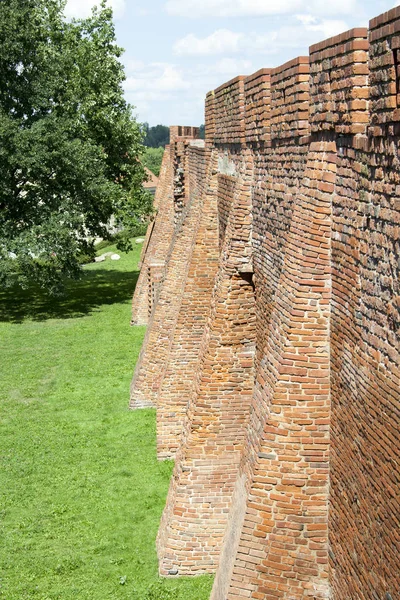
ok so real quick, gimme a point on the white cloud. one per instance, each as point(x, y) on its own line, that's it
point(257, 8)
point(220, 42)
point(156, 78)
point(228, 8)
point(132, 64)
point(322, 28)
point(308, 30)
point(230, 67)
point(163, 92)
point(83, 8)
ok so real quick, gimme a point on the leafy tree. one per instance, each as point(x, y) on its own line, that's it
point(152, 159)
point(157, 136)
point(69, 144)
point(202, 132)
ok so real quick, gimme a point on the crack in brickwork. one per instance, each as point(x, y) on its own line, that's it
point(272, 352)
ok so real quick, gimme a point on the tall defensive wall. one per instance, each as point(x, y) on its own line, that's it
point(270, 285)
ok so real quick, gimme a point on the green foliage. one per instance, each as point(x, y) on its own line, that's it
point(167, 589)
point(119, 238)
point(157, 136)
point(103, 244)
point(87, 257)
point(152, 159)
point(136, 223)
point(81, 490)
point(159, 591)
point(70, 146)
point(202, 132)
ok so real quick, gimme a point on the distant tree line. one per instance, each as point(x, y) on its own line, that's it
point(155, 137)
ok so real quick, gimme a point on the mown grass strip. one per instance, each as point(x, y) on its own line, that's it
point(81, 491)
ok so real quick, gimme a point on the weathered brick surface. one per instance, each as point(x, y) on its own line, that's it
point(226, 188)
point(364, 494)
point(365, 501)
point(285, 413)
point(283, 546)
point(257, 92)
point(384, 37)
point(178, 223)
point(290, 99)
point(177, 385)
point(210, 118)
point(178, 131)
point(340, 91)
point(157, 241)
point(229, 126)
point(193, 523)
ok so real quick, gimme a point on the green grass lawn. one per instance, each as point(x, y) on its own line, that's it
point(81, 491)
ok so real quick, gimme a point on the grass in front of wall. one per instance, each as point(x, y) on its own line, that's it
point(81, 491)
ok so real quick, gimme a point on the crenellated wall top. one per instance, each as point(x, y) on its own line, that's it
point(349, 85)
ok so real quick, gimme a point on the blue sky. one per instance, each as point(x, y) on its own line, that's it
point(178, 50)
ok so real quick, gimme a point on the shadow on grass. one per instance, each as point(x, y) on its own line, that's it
point(95, 289)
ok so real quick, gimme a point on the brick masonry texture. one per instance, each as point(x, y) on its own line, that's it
point(270, 285)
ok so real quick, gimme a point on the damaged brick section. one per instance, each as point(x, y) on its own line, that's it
point(270, 286)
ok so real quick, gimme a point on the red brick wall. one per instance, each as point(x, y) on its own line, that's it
point(257, 93)
point(158, 238)
point(210, 118)
point(364, 492)
point(282, 549)
point(226, 187)
point(384, 37)
point(229, 112)
point(194, 520)
point(290, 99)
point(180, 366)
point(173, 234)
point(339, 75)
point(276, 330)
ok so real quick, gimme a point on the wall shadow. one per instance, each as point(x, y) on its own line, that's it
point(94, 289)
